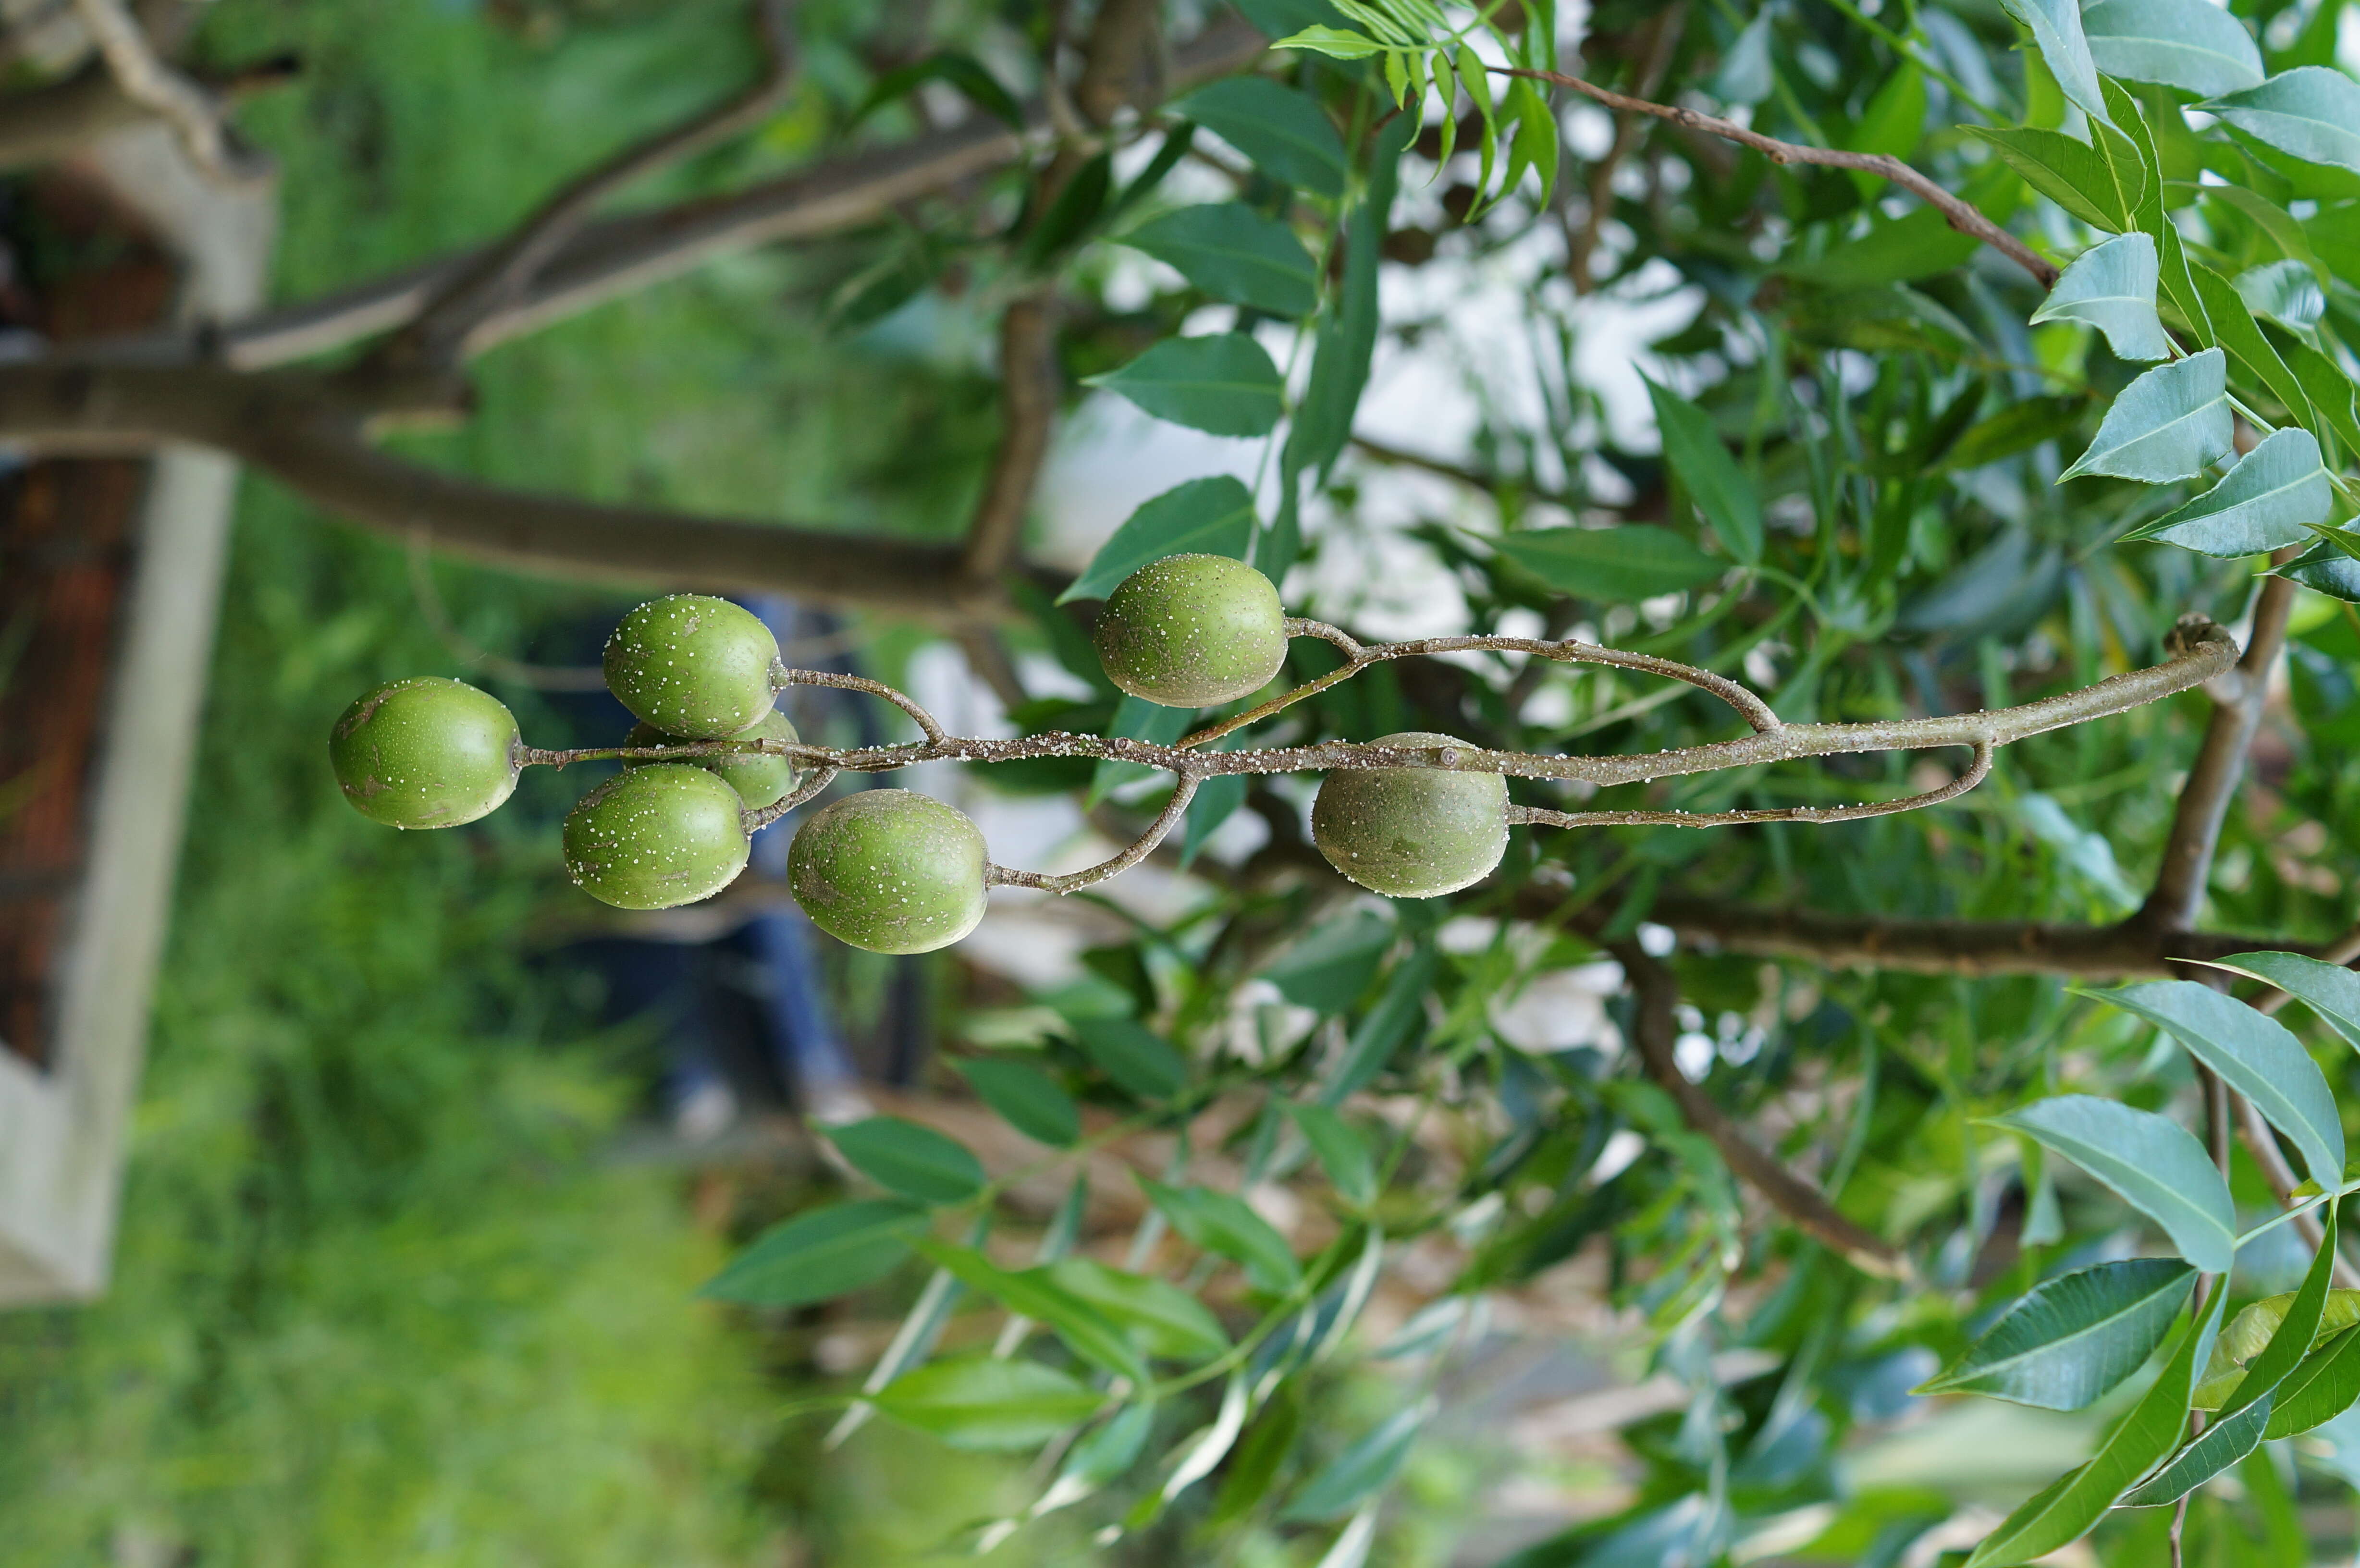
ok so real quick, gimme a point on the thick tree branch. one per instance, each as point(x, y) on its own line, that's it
point(1029, 382)
point(1961, 215)
point(1655, 1036)
point(195, 114)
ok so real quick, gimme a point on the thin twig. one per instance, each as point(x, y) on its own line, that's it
point(1139, 849)
point(194, 114)
point(1583, 242)
point(1961, 215)
point(928, 723)
point(1976, 772)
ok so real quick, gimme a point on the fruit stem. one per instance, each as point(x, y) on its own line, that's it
point(1140, 848)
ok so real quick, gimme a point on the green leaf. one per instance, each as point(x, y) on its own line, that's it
point(1347, 335)
point(2166, 425)
point(1220, 1223)
point(2233, 328)
point(2112, 286)
point(1637, 561)
point(2057, 31)
point(1223, 384)
point(960, 70)
point(1328, 969)
point(1036, 1293)
point(2074, 174)
point(2074, 1337)
point(2255, 1055)
point(1745, 70)
point(915, 1161)
point(1080, 205)
point(1343, 1151)
point(2187, 44)
point(1918, 244)
point(1028, 1101)
point(2325, 1386)
point(1133, 1056)
point(2286, 292)
point(1165, 1320)
point(1286, 133)
point(2064, 1511)
point(2222, 1443)
point(1099, 1457)
point(1711, 477)
point(2325, 570)
point(982, 1403)
point(1400, 1010)
point(2018, 428)
point(1364, 1467)
point(1259, 1458)
point(2334, 233)
point(1200, 517)
point(2154, 1163)
point(2270, 498)
point(818, 1254)
point(1233, 253)
point(2331, 392)
point(2250, 1332)
point(1337, 43)
point(2329, 990)
point(2311, 112)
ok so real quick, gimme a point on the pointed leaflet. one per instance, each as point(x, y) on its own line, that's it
point(1286, 134)
point(2312, 111)
point(2237, 1431)
point(915, 1161)
point(1223, 384)
point(2154, 1163)
point(1637, 561)
point(2328, 989)
point(1343, 1151)
point(1035, 1294)
point(818, 1254)
point(1711, 477)
point(2112, 286)
point(980, 1402)
point(1362, 1468)
point(1233, 253)
point(2331, 392)
point(1220, 1223)
point(1097, 1459)
point(1166, 1320)
point(1133, 1056)
point(2074, 1337)
point(2257, 1058)
point(2326, 1385)
point(2189, 44)
point(1029, 1101)
point(2271, 498)
point(2232, 325)
point(1202, 516)
point(2056, 28)
point(2166, 425)
point(2325, 570)
point(2071, 173)
point(2285, 291)
point(2064, 1511)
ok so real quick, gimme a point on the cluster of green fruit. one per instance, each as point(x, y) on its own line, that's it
point(886, 870)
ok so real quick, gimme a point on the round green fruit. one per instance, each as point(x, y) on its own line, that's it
point(760, 778)
point(693, 666)
point(425, 753)
point(1412, 832)
point(890, 871)
point(653, 837)
point(1191, 631)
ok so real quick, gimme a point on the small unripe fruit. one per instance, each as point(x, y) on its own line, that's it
point(425, 753)
point(1412, 832)
point(760, 778)
point(1191, 631)
point(890, 871)
point(656, 836)
point(693, 666)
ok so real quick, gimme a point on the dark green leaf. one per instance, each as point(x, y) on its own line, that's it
point(915, 1161)
point(1036, 1293)
point(1918, 244)
point(2255, 1055)
point(980, 1402)
point(1201, 516)
point(1286, 134)
point(1361, 1469)
point(1099, 1457)
point(2167, 425)
point(2074, 1337)
point(1029, 1101)
point(1343, 1151)
point(1348, 335)
point(1259, 1457)
point(1220, 1223)
point(1328, 969)
point(2155, 1164)
point(1713, 481)
point(1133, 1056)
point(2324, 1387)
point(2329, 990)
point(2270, 498)
point(1166, 1321)
point(1223, 385)
point(2326, 570)
point(2018, 428)
point(1233, 253)
point(2074, 174)
point(960, 70)
point(819, 1254)
point(1080, 205)
point(1637, 561)
point(1399, 1012)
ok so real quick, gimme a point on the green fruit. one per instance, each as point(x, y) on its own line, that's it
point(656, 836)
point(760, 778)
point(425, 753)
point(890, 871)
point(1190, 631)
point(693, 666)
point(1412, 832)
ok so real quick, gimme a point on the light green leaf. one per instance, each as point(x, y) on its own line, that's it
point(2257, 1058)
point(1744, 75)
point(1286, 133)
point(915, 1161)
point(2325, 1386)
point(2187, 44)
point(1220, 1223)
point(2270, 498)
point(2250, 1332)
point(2166, 425)
point(1201, 516)
point(1223, 384)
point(982, 1403)
point(2057, 31)
point(2312, 111)
point(1233, 253)
point(1343, 1151)
point(1036, 1293)
point(1339, 43)
point(2074, 1337)
point(1165, 1320)
point(1132, 1055)
point(2071, 173)
point(2329, 990)
point(2064, 1511)
point(1364, 1467)
point(1029, 1101)
point(1707, 472)
point(2112, 286)
point(2287, 293)
point(1099, 1457)
point(2154, 1163)
point(1637, 561)
point(818, 1254)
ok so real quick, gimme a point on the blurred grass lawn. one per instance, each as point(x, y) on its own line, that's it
point(376, 1303)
